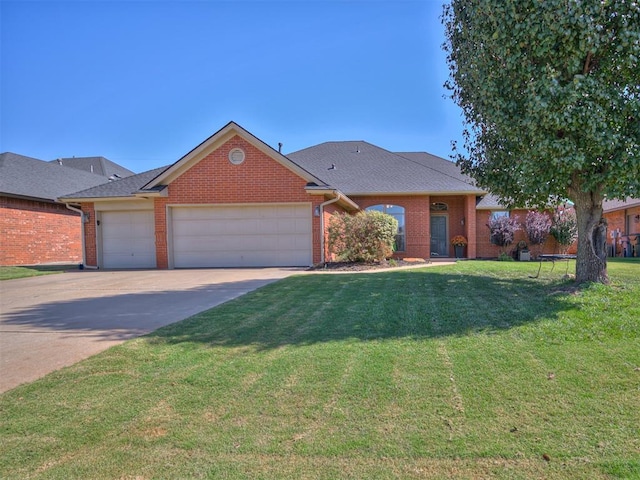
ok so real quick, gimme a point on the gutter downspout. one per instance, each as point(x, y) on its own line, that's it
point(82, 217)
point(322, 205)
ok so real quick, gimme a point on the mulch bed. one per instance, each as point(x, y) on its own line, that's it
point(363, 266)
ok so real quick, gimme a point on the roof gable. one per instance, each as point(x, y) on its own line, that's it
point(215, 141)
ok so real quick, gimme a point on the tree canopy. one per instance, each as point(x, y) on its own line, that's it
point(550, 93)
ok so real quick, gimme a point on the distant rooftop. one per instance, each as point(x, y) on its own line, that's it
point(28, 177)
point(97, 165)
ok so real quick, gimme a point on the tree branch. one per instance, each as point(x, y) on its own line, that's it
point(587, 64)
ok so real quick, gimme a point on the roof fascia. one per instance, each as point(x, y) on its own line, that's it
point(215, 141)
point(160, 191)
point(417, 194)
point(626, 206)
point(30, 198)
point(101, 199)
point(344, 201)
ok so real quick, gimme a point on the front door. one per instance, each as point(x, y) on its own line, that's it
point(439, 243)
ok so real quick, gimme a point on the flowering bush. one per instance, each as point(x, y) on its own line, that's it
point(537, 226)
point(459, 241)
point(564, 228)
point(503, 229)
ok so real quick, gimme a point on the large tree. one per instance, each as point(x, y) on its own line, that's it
point(550, 92)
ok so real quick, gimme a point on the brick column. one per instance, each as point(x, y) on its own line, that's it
point(470, 224)
point(160, 217)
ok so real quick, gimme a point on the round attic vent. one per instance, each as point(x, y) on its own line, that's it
point(236, 156)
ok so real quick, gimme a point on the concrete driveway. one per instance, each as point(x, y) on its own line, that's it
point(52, 321)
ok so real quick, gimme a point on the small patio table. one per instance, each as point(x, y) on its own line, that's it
point(553, 257)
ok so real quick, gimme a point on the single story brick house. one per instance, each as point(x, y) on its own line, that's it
point(234, 201)
point(36, 228)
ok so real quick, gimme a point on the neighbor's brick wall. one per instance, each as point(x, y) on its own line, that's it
point(617, 221)
point(35, 233)
point(215, 180)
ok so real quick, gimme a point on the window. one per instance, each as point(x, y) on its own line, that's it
point(396, 212)
point(499, 213)
point(439, 207)
point(633, 224)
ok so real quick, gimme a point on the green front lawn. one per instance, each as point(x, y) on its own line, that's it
point(10, 273)
point(473, 370)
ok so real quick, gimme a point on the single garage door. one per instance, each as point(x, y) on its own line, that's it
point(128, 239)
point(242, 236)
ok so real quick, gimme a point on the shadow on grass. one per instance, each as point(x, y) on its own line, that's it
point(430, 303)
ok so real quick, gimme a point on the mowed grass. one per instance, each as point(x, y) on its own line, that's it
point(10, 273)
point(471, 371)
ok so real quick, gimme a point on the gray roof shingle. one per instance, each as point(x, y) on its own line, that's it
point(358, 167)
point(124, 187)
point(612, 205)
point(32, 178)
point(98, 165)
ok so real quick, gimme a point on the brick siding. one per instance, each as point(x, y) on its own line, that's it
point(35, 233)
point(418, 220)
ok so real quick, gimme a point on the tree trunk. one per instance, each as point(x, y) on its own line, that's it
point(591, 264)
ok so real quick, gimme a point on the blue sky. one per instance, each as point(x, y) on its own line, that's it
point(143, 82)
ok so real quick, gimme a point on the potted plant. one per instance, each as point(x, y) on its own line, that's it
point(459, 242)
point(523, 251)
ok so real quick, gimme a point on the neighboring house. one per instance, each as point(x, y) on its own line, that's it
point(34, 227)
point(233, 201)
point(96, 165)
point(623, 220)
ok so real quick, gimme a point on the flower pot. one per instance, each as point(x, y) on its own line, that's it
point(459, 249)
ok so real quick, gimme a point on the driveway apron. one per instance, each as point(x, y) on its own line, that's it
point(53, 321)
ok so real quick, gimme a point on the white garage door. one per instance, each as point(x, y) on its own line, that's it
point(242, 236)
point(128, 239)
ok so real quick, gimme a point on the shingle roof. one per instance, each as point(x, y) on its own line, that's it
point(358, 167)
point(611, 205)
point(98, 165)
point(125, 187)
point(490, 202)
point(29, 177)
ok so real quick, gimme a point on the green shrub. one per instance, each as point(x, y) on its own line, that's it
point(365, 237)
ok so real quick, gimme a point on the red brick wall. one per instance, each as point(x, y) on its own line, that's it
point(215, 180)
point(90, 235)
point(487, 250)
point(416, 219)
point(38, 233)
point(618, 221)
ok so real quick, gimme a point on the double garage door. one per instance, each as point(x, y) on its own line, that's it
point(241, 236)
point(221, 236)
